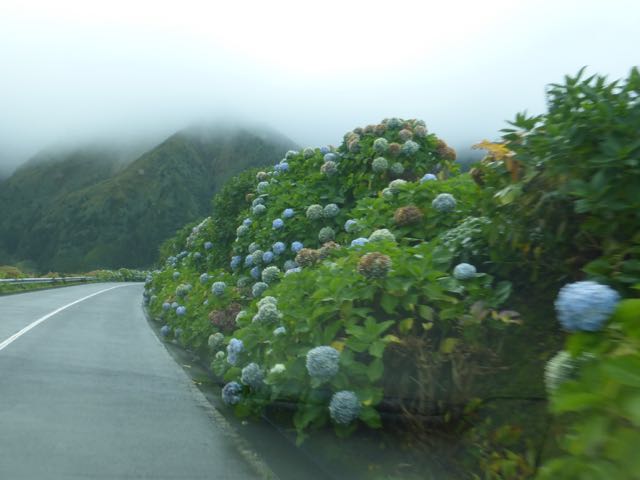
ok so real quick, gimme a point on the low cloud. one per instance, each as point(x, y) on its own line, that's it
point(73, 74)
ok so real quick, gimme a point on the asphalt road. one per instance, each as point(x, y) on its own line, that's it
point(91, 393)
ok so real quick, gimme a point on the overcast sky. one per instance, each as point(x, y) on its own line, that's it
point(72, 71)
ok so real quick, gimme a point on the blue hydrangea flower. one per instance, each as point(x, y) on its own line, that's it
point(279, 248)
point(267, 313)
point(197, 256)
point(181, 310)
point(259, 209)
point(394, 122)
point(252, 375)
point(428, 177)
point(270, 274)
point(280, 331)
point(292, 270)
point(267, 257)
point(290, 154)
point(277, 224)
point(396, 169)
point(326, 234)
point(288, 213)
point(464, 271)
point(165, 330)
point(330, 157)
point(396, 185)
point(444, 202)
point(258, 289)
point(166, 306)
point(323, 362)
point(215, 341)
point(247, 222)
point(381, 145)
point(585, 306)
point(257, 257)
point(324, 150)
point(218, 288)
point(262, 187)
point(410, 147)
point(257, 201)
point(268, 299)
point(359, 242)
point(331, 210)
point(281, 167)
point(241, 231)
point(234, 349)
point(290, 264)
point(296, 247)
point(379, 164)
point(176, 275)
point(382, 234)
point(235, 262)
point(314, 212)
point(255, 272)
point(232, 393)
point(208, 245)
point(344, 407)
point(350, 226)
point(248, 261)
point(204, 278)
point(175, 305)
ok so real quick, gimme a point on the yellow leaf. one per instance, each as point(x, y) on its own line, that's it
point(392, 338)
point(448, 345)
point(499, 151)
point(406, 325)
point(338, 345)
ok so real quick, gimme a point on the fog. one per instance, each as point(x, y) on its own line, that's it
point(73, 72)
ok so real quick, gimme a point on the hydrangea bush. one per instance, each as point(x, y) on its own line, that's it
point(368, 280)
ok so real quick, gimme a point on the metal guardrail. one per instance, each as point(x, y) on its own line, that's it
point(46, 280)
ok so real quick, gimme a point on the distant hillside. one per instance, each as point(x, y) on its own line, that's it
point(87, 210)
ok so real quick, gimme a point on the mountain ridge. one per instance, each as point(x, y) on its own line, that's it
point(92, 210)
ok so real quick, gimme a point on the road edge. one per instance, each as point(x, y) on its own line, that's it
point(255, 461)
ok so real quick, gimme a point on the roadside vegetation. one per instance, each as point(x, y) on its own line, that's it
point(487, 322)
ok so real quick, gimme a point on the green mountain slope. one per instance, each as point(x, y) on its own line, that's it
point(42, 182)
point(85, 213)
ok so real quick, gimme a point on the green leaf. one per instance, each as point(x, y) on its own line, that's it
point(565, 401)
point(448, 345)
point(425, 312)
point(377, 348)
point(624, 369)
point(628, 314)
point(371, 417)
point(405, 325)
point(388, 302)
point(375, 369)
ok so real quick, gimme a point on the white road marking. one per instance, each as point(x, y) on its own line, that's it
point(34, 324)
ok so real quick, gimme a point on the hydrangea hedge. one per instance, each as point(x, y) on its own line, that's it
point(350, 285)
